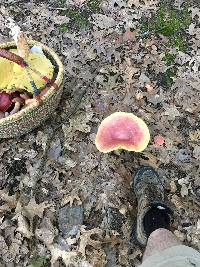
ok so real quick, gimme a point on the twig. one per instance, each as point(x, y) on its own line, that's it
point(61, 43)
point(147, 33)
point(74, 109)
point(17, 2)
point(58, 8)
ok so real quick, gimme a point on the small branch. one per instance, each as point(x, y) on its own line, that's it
point(57, 8)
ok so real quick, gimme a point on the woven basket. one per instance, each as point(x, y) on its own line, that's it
point(32, 116)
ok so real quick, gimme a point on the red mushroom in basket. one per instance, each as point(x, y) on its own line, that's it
point(5, 101)
point(122, 130)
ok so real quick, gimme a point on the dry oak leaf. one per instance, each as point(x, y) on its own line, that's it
point(103, 21)
point(73, 197)
point(136, 3)
point(68, 257)
point(85, 238)
point(10, 200)
point(46, 233)
point(127, 36)
point(171, 111)
point(194, 135)
point(33, 209)
point(196, 152)
point(23, 226)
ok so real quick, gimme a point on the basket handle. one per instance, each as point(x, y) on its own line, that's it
point(11, 56)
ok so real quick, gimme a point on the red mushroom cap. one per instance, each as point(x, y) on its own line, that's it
point(5, 101)
point(122, 130)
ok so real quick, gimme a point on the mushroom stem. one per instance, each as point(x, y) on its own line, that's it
point(2, 115)
point(16, 108)
point(18, 99)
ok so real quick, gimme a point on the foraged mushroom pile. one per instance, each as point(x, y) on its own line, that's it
point(16, 83)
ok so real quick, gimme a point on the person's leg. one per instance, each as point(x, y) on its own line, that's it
point(159, 240)
point(163, 250)
point(154, 223)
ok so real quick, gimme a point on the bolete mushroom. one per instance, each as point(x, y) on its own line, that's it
point(122, 130)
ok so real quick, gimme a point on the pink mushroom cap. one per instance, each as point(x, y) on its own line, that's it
point(122, 130)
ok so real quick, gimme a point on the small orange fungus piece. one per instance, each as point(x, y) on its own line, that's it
point(122, 130)
point(159, 140)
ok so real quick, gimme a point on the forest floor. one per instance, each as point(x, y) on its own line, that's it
point(62, 202)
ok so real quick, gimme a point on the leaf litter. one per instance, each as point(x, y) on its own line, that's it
point(112, 63)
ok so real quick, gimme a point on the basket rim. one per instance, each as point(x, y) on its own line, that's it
point(51, 91)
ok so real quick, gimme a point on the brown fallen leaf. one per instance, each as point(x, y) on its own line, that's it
point(149, 88)
point(33, 209)
point(68, 257)
point(24, 227)
point(130, 35)
point(194, 135)
point(86, 239)
point(127, 36)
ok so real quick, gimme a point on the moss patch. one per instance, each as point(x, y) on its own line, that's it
point(169, 22)
point(169, 58)
point(166, 79)
point(79, 18)
point(172, 23)
point(38, 262)
point(63, 28)
point(94, 6)
point(65, 152)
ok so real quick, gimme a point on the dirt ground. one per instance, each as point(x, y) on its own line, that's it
point(62, 202)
